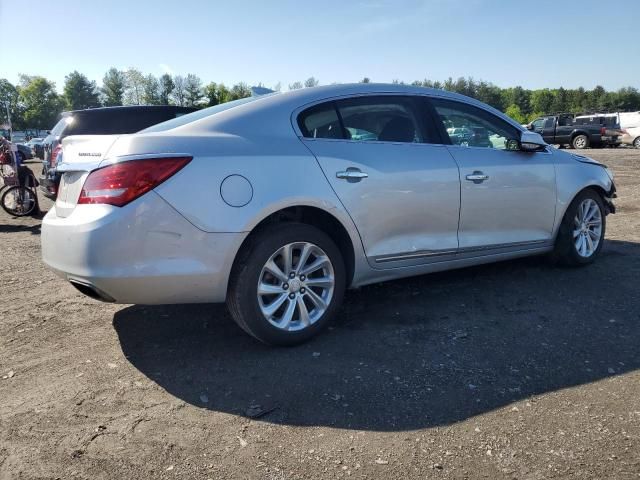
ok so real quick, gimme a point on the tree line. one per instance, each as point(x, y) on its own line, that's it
point(35, 103)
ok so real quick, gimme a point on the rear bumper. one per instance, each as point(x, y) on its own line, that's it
point(144, 253)
point(49, 183)
point(611, 140)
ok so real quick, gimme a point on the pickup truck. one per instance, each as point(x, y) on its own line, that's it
point(561, 130)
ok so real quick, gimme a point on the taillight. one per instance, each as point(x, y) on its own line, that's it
point(121, 183)
point(603, 131)
point(53, 160)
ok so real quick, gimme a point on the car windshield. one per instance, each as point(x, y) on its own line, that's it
point(200, 114)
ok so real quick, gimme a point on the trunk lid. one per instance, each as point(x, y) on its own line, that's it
point(80, 155)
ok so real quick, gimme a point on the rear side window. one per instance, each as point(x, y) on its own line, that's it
point(384, 119)
point(321, 121)
point(368, 118)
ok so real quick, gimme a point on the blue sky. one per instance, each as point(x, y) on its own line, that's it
point(535, 44)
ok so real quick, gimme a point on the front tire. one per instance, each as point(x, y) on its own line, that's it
point(636, 142)
point(287, 284)
point(581, 233)
point(580, 142)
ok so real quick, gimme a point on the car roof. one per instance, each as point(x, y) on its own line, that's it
point(273, 112)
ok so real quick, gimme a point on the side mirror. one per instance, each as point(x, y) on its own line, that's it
point(530, 126)
point(529, 142)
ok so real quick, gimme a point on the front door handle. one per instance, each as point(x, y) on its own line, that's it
point(477, 177)
point(352, 175)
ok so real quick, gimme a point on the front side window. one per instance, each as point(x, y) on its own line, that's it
point(538, 124)
point(470, 126)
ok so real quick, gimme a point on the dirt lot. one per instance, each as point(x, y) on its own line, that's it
point(514, 370)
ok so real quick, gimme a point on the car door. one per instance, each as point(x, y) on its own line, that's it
point(400, 188)
point(508, 197)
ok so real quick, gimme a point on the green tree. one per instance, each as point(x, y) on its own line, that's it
point(514, 112)
point(79, 93)
point(134, 93)
point(151, 91)
point(295, 86)
point(597, 98)
point(518, 96)
point(365, 80)
point(40, 102)
point(179, 94)
point(487, 93)
point(214, 94)
point(9, 100)
point(239, 90)
point(560, 101)
point(166, 88)
point(193, 90)
point(542, 101)
point(311, 82)
point(114, 84)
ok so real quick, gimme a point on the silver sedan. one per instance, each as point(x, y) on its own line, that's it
point(278, 203)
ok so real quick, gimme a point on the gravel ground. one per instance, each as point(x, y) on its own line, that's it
point(513, 370)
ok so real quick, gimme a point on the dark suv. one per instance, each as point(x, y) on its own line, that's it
point(98, 121)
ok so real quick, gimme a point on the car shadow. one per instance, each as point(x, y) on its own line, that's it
point(34, 229)
point(414, 353)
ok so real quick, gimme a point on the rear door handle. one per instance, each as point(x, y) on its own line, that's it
point(352, 175)
point(477, 177)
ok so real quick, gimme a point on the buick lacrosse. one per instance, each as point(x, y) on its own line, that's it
point(278, 203)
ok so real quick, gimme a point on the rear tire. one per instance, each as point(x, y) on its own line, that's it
point(272, 299)
point(582, 230)
point(580, 142)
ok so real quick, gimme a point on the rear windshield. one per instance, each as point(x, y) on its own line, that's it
point(200, 114)
point(60, 126)
point(112, 122)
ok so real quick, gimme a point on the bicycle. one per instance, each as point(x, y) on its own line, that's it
point(19, 197)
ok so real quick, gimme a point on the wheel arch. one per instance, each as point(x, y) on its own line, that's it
point(314, 216)
point(599, 189)
point(580, 132)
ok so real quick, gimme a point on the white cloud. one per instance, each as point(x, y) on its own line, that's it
point(165, 68)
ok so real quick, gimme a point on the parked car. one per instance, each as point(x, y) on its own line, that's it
point(98, 121)
point(37, 145)
point(631, 136)
point(24, 152)
point(612, 136)
point(561, 130)
point(270, 204)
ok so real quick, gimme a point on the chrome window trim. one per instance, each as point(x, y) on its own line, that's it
point(302, 108)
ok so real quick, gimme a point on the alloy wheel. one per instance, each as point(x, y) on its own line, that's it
point(295, 286)
point(587, 228)
point(581, 142)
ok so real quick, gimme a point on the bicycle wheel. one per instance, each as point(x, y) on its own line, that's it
point(19, 201)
